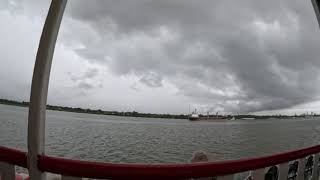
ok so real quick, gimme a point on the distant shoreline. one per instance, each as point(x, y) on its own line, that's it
point(96, 111)
point(138, 114)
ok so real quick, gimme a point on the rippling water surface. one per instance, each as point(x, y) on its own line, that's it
point(143, 140)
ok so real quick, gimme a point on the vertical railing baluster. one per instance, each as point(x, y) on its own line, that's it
point(283, 171)
point(315, 175)
point(227, 177)
point(293, 170)
point(258, 174)
point(7, 171)
point(301, 166)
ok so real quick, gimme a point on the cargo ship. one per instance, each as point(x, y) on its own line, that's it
point(194, 116)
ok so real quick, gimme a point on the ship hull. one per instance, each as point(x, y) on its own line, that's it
point(209, 119)
point(193, 119)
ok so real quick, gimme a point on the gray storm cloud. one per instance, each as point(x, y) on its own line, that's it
point(241, 56)
point(233, 56)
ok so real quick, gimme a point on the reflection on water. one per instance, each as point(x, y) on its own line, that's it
point(142, 140)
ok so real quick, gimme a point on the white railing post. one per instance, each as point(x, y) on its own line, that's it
point(39, 88)
point(7, 171)
point(258, 174)
point(301, 168)
point(283, 171)
point(315, 175)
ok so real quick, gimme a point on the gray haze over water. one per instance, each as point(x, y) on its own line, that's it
point(141, 140)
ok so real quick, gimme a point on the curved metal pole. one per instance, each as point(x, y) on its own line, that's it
point(316, 4)
point(39, 88)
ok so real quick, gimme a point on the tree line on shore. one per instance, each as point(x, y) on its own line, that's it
point(96, 111)
point(139, 114)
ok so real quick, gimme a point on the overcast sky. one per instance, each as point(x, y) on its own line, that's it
point(160, 56)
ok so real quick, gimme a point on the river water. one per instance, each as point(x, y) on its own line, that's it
point(143, 140)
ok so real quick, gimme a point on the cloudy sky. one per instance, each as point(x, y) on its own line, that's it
point(162, 56)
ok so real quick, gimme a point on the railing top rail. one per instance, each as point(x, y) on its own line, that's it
point(13, 156)
point(167, 171)
point(146, 171)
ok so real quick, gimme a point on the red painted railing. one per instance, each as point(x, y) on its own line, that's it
point(13, 156)
point(89, 169)
point(100, 170)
